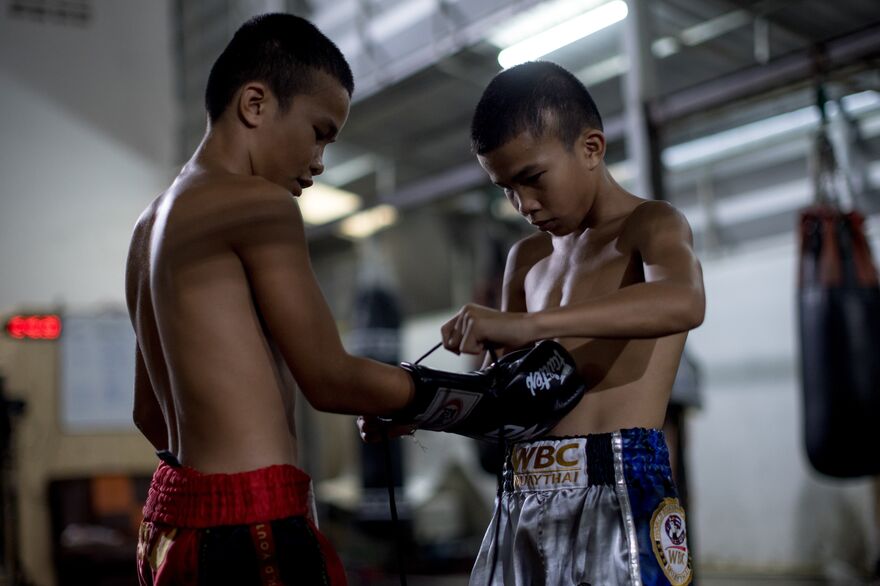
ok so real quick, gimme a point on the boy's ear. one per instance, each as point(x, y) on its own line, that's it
point(591, 146)
point(253, 103)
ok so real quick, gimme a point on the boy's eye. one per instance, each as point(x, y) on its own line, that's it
point(533, 178)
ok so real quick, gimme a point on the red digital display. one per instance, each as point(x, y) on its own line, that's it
point(34, 327)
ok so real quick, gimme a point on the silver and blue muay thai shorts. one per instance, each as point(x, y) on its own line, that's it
point(596, 510)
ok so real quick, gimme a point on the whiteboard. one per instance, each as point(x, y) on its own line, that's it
point(97, 373)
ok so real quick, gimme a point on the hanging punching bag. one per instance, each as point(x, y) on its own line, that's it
point(375, 334)
point(839, 303)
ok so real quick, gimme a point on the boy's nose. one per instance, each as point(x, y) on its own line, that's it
point(317, 166)
point(528, 205)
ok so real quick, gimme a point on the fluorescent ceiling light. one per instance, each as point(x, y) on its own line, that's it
point(752, 205)
point(715, 27)
point(322, 203)
point(529, 23)
point(603, 70)
point(563, 34)
point(369, 221)
point(764, 202)
point(705, 149)
point(745, 137)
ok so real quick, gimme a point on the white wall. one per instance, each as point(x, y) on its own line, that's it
point(87, 139)
point(756, 502)
point(87, 136)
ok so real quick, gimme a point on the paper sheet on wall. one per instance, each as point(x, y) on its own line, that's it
point(97, 373)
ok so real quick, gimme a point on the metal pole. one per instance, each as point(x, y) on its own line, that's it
point(639, 89)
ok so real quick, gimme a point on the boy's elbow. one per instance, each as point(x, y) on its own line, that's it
point(138, 421)
point(318, 395)
point(695, 321)
point(695, 311)
point(687, 312)
point(321, 400)
point(155, 432)
point(141, 421)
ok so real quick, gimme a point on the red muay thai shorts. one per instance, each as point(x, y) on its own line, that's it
point(253, 527)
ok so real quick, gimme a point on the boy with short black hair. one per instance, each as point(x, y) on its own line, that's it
point(225, 306)
point(615, 280)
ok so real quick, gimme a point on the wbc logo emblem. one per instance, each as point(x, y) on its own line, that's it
point(669, 542)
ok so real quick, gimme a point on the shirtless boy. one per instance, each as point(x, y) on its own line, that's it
point(614, 279)
point(226, 307)
point(228, 314)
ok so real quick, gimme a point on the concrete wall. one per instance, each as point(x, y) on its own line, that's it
point(757, 504)
point(87, 133)
point(88, 124)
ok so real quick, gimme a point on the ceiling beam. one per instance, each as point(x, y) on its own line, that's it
point(758, 79)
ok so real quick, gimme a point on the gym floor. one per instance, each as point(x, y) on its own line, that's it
point(713, 579)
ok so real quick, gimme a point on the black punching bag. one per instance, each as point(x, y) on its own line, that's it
point(375, 334)
point(839, 303)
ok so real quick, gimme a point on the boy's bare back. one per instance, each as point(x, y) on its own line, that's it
point(227, 313)
point(225, 304)
point(216, 373)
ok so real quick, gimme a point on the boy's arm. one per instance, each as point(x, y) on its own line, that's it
point(670, 301)
point(520, 259)
point(463, 333)
point(271, 243)
point(513, 289)
point(147, 415)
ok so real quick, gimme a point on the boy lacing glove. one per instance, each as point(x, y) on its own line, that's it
point(522, 395)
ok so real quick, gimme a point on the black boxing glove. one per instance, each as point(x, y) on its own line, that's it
point(523, 395)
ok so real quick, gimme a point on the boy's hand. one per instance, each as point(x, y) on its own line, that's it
point(522, 395)
point(475, 327)
point(370, 428)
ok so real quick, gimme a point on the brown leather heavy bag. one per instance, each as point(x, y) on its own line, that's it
point(839, 302)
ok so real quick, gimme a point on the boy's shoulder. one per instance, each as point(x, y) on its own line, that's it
point(652, 218)
point(222, 208)
point(225, 189)
point(227, 198)
point(651, 209)
point(530, 249)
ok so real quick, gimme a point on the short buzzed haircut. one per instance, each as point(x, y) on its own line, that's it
point(537, 97)
point(281, 50)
